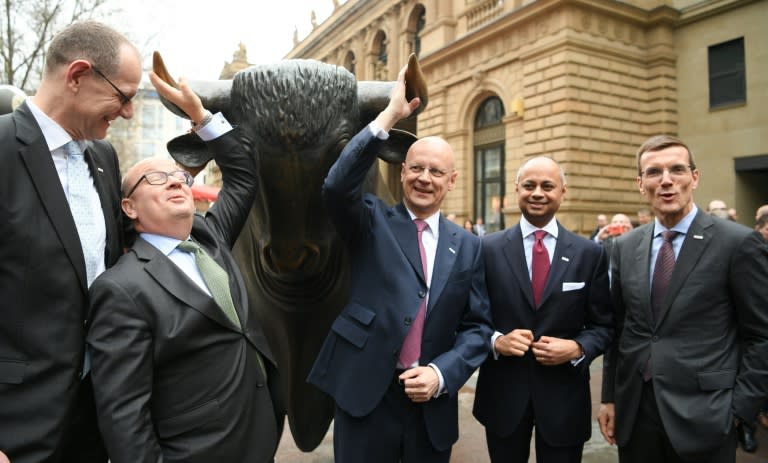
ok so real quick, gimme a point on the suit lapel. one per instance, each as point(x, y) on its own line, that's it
point(173, 280)
point(37, 159)
point(445, 257)
point(560, 262)
point(642, 262)
point(404, 231)
point(514, 252)
point(696, 241)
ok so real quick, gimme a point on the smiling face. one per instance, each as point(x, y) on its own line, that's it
point(540, 190)
point(670, 193)
point(165, 209)
point(427, 176)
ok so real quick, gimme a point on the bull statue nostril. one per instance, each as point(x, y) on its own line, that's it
point(290, 257)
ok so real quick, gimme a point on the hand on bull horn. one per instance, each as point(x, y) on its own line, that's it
point(183, 97)
point(399, 107)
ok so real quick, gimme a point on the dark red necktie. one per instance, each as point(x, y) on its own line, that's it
point(662, 272)
point(411, 350)
point(539, 266)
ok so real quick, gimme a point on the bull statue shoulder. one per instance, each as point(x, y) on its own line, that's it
point(295, 117)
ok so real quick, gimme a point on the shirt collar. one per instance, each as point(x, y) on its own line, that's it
point(681, 227)
point(164, 244)
point(527, 228)
point(55, 136)
point(433, 220)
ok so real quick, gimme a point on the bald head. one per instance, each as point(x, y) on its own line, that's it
point(427, 175)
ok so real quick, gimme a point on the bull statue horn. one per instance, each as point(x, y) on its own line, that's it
point(214, 94)
point(374, 96)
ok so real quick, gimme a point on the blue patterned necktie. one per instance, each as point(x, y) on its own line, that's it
point(80, 189)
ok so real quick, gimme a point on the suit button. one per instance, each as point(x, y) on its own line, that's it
point(655, 339)
point(408, 321)
point(422, 294)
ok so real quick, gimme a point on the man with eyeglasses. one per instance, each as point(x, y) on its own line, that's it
point(61, 226)
point(690, 360)
point(416, 324)
point(182, 372)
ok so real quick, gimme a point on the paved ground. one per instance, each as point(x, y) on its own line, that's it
point(471, 445)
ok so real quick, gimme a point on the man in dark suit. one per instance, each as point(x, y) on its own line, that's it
point(689, 290)
point(181, 374)
point(395, 387)
point(51, 250)
point(551, 308)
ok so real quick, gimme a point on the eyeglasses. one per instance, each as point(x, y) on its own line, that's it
point(124, 99)
point(655, 173)
point(161, 178)
point(418, 169)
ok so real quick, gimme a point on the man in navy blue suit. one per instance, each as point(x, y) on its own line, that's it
point(417, 322)
point(551, 308)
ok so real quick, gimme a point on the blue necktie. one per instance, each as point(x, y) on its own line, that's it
point(80, 186)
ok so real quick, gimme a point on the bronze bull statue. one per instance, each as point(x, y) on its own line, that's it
point(295, 117)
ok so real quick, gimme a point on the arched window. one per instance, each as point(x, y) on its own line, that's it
point(380, 56)
point(349, 62)
point(489, 163)
point(416, 24)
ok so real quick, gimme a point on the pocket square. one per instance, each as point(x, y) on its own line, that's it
point(573, 286)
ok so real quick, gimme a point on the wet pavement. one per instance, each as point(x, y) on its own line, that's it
point(471, 446)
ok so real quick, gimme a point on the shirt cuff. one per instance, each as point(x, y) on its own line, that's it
point(377, 131)
point(441, 382)
point(495, 336)
point(217, 127)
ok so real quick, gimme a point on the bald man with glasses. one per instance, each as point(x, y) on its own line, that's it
point(181, 370)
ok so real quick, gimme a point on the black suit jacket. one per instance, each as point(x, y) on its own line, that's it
point(174, 378)
point(575, 305)
point(357, 362)
point(43, 285)
point(710, 346)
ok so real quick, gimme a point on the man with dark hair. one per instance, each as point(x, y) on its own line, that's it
point(690, 359)
point(61, 227)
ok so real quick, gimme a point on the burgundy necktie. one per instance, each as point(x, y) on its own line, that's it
point(662, 272)
point(539, 266)
point(411, 350)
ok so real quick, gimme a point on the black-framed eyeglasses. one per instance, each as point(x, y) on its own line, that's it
point(124, 99)
point(678, 170)
point(161, 178)
point(418, 169)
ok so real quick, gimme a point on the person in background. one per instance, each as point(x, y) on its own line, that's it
point(479, 227)
point(689, 363)
point(718, 208)
point(61, 227)
point(469, 226)
point(644, 216)
point(600, 222)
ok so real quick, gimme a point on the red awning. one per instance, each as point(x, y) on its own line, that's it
point(205, 192)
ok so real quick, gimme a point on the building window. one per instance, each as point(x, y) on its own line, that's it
point(415, 27)
point(380, 57)
point(349, 62)
point(727, 77)
point(489, 164)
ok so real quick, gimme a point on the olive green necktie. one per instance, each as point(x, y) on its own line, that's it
point(215, 277)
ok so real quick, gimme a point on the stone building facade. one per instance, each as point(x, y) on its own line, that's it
point(582, 81)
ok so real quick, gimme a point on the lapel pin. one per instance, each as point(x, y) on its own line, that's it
point(565, 259)
point(451, 249)
point(100, 169)
point(698, 237)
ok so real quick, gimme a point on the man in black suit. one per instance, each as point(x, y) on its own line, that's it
point(417, 321)
point(691, 357)
point(59, 230)
point(549, 327)
point(181, 369)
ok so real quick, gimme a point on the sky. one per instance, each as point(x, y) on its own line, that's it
point(197, 37)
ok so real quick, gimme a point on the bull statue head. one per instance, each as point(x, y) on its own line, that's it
point(295, 117)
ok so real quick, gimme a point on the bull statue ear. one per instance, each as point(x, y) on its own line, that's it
point(190, 152)
point(393, 150)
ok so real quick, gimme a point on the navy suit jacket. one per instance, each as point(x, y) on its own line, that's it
point(709, 348)
point(575, 305)
point(357, 362)
point(43, 286)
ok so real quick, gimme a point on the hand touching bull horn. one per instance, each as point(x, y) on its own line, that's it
point(399, 106)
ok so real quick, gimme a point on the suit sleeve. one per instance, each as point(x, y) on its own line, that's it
point(120, 343)
point(240, 180)
point(472, 344)
point(611, 355)
point(749, 280)
point(598, 330)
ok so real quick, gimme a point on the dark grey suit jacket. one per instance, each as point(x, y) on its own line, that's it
point(174, 378)
point(575, 305)
point(710, 346)
point(43, 286)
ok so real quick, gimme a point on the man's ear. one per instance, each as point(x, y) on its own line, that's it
point(128, 208)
